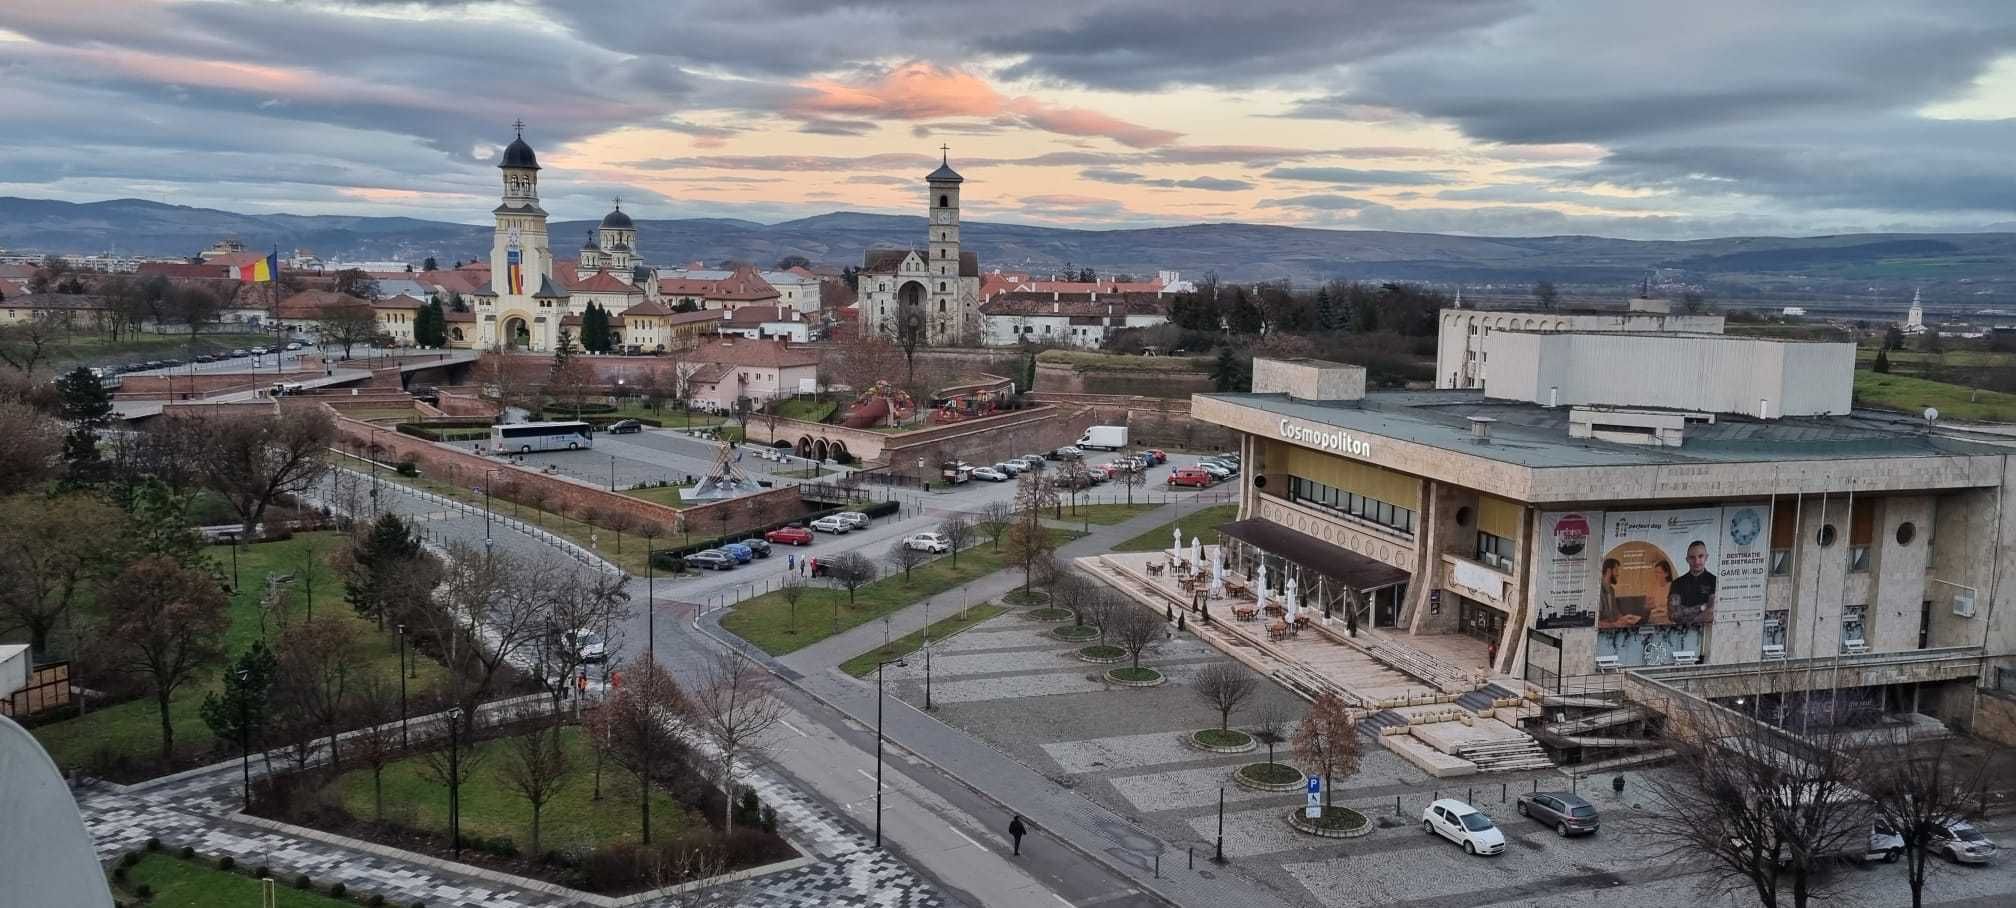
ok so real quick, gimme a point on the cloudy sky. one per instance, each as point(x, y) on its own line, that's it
point(1641, 118)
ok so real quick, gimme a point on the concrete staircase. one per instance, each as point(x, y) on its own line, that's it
point(1576, 729)
point(1506, 756)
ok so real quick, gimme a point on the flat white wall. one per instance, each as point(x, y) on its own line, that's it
point(1460, 360)
point(1687, 372)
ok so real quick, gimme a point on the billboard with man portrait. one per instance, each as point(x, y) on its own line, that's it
point(1658, 568)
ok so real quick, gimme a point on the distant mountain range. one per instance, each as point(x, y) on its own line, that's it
point(1855, 266)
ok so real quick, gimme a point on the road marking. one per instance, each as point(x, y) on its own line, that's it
point(1110, 896)
point(800, 731)
point(969, 840)
point(1067, 902)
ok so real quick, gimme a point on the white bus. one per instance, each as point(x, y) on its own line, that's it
point(526, 437)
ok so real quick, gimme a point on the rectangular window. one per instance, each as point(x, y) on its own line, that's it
point(1494, 550)
point(1784, 532)
point(1861, 533)
point(1781, 562)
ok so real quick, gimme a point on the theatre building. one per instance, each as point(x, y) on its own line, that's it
point(1610, 502)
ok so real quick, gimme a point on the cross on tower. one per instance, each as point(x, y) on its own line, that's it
point(619, 203)
point(519, 125)
point(946, 159)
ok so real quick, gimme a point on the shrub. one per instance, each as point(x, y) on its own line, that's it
point(770, 820)
point(780, 443)
point(375, 901)
point(409, 468)
point(187, 852)
point(144, 891)
point(119, 873)
point(153, 844)
point(419, 904)
point(262, 872)
point(301, 881)
point(129, 858)
point(227, 862)
point(843, 458)
point(337, 890)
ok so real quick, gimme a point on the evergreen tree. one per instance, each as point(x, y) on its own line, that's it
point(430, 265)
point(1882, 361)
point(87, 407)
point(430, 327)
point(1231, 372)
point(159, 524)
point(238, 713)
point(1243, 316)
point(563, 351)
point(595, 329)
point(376, 559)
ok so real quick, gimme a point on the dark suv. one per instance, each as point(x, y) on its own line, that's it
point(1567, 813)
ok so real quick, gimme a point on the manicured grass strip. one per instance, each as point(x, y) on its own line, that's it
point(1106, 514)
point(1020, 596)
point(189, 884)
point(491, 808)
point(823, 609)
point(665, 495)
point(1202, 523)
point(1271, 773)
point(1134, 674)
point(863, 665)
point(1334, 817)
point(1218, 737)
point(1910, 395)
point(1075, 632)
point(133, 729)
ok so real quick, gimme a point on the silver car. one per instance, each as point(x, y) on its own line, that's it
point(855, 519)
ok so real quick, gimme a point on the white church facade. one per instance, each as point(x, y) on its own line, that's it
point(934, 291)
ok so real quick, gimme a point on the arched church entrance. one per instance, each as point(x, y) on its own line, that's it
point(910, 315)
point(517, 334)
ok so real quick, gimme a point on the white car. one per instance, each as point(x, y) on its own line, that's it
point(1958, 841)
point(1465, 825)
point(855, 519)
point(935, 543)
point(990, 474)
point(832, 523)
point(294, 346)
point(588, 645)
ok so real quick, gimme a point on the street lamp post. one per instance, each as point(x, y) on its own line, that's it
point(486, 503)
point(402, 686)
point(612, 472)
point(455, 781)
point(927, 655)
point(878, 745)
point(245, 734)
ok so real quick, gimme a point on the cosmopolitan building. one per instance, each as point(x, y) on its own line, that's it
point(1696, 506)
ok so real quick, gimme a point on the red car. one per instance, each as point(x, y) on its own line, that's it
point(1157, 455)
point(1189, 477)
point(789, 536)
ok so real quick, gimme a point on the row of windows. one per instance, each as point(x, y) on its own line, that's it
point(1858, 560)
point(1311, 492)
point(1494, 550)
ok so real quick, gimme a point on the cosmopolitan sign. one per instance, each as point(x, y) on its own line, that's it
point(1340, 441)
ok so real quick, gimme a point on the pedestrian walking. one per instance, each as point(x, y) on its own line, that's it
point(1016, 831)
point(790, 562)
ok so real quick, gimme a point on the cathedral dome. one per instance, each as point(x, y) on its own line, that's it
point(519, 154)
point(617, 220)
point(591, 244)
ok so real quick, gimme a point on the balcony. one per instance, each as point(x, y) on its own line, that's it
point(1483, 582)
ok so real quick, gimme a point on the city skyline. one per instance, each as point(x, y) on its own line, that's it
point(1456, 117)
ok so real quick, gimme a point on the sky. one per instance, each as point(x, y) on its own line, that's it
point(1634, 118)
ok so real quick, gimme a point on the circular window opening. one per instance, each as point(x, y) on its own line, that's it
point(1906, 532)
point(1462, 517)
point(1826, 537)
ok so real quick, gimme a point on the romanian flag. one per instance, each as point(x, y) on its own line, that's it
point(263, 271)
point(516, 273)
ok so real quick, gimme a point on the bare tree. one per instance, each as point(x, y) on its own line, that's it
point(1029, 541)
point(53, 551)
point(164, 623)
point(1740, 804)
point(735, 706)
point(1918, 787)
point(536, 765)
point(903, 557)
point(1078, 593)
point(317, 661)
point(347, 325)
point(1134, 629)
point(253, 459)
point(1270, 724)
point(375, 743)
point(30, 442)
point(1131, 480)
point(579, 602)
point(958, 533)
point(994, 520)
point(1224, 687)
point(852, 571)
point(27, 345)
point(642, 724)
point(1327, 741)
point(491, 608)
point(865, 359)
point(792, 591)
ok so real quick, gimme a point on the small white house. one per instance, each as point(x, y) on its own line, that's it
point(1077, 319)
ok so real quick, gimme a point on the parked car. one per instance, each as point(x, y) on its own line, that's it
point(1216, 471)
point(1884, 843)
point(624, 427)
point(990, 474)
point(935, 543)
point(1192, 477)
point(258, 351)
point(832, 523)
point(789, 536)
point(587, 644)
point(1067, 453)
point(206, 357)
point(713, 559)
point(1157, 455)
point(855, 519)
point(294, 346)
point(1011, 467)
point(1958, 841)
point(1465, 825)
point(759, 546)
point(1569, 814)
point(741, 553)
point(241, 351)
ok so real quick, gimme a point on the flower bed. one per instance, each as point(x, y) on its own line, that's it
point(1218, 740)
point(1074, 632)
point(1334, 823)
point(1026, 597)
point(1269, 777)
point(1102, 653)
point(1052, 613)
point(1134, 677)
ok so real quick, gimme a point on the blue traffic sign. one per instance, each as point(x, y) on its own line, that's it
point(1315, 785)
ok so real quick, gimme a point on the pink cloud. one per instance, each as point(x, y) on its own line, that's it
point(923, 91)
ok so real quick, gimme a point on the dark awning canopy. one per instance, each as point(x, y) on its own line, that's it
point(1339, 564)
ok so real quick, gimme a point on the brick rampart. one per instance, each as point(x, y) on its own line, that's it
point(1154, 422)
point(154, 387)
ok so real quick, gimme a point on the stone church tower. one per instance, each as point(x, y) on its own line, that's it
point(936, 289)
point(521, 309)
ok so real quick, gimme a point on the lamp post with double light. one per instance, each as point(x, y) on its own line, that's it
point(878, 744)
point(455, 780)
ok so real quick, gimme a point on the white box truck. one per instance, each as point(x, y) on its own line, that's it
point(1104, 438)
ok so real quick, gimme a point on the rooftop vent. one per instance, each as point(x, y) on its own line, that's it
point(1480, 429)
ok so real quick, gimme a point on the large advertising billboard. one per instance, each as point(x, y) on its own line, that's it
point(1567, 544)
point(1682, 567)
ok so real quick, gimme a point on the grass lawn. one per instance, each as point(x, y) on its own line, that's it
point(99, 348)
point(625, 549)
point(491, 808)
point(133, 728)
point(1105, 514)
point(1906, 394)
point(860, 666)
point(1219, 737)
point(668, 417)
point(823, 610)
point(1202, 523)
point(807, 410)
point(665, 495)
point(191, 884)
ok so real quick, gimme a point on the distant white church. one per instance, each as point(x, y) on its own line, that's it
point(1914, 321)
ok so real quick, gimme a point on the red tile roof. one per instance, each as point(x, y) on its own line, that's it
point(402, 301)
point(753, 316)
point(311, 303)
point(776, 354)
point(1075, 304)
point(648, 307)
point(466, 315)
point(604, 282)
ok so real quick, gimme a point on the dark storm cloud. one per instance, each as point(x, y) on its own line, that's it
point(827, 126)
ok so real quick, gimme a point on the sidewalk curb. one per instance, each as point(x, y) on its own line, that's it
point(792, 678)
